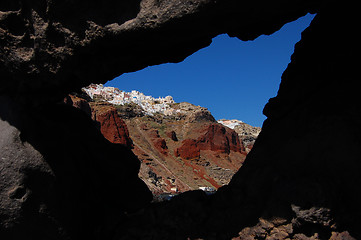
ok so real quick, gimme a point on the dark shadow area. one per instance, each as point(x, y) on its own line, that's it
point(101, 13)
point(298, 182)
point(70, 180)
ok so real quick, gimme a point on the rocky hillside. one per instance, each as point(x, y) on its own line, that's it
point(181, 146)
point(246, 132)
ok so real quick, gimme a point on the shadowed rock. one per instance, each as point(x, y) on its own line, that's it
point(65, 45)
point(60, 177)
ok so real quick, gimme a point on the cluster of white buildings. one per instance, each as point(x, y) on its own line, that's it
point(115, 96)
point(230, 123)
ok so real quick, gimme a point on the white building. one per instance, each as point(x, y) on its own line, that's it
point(118, 97)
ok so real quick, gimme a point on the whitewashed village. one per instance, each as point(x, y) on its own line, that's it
point(149, 104)
point(115, 96)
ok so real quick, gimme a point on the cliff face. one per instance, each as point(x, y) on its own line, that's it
point(246, 132)
point(213, 137)
point(110, 124)
point(298, 182)
point(180, 146)
point(220, 139)
point(185, 151)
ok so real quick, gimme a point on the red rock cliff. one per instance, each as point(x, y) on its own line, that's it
point(214, 137)
point(219, 138)
point(111, 125)
point(188, 150)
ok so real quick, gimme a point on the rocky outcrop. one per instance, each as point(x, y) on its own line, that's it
point(218, 138)
point(128, 111)
point(106, 118)
point(172, 135)
point(213, 137)
point(198, 115)
point(189, 150)
point(246, 132)
point(158, 142)
point(78, 102)
point(160, 145)
point(60, 177)
point(110, 124)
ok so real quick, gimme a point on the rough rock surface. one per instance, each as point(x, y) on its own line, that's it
point(56, 186)
point(218, 138)
point(78, 103)
point(112, 127)
point(110, 124)
point(57, 46)
point(158, 142)
point(213, 137)
point(189, 150)
point(248, 134)
point(172, 135)
point(61, 178)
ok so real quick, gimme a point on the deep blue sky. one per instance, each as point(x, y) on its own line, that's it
point(233, 79)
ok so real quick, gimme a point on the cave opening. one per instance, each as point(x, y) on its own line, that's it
point(233, 79)
point(299, 181)
point(200, 136)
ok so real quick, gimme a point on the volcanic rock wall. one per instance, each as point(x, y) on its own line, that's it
point(110, 124)
point(65, 45)
point(299, 179)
